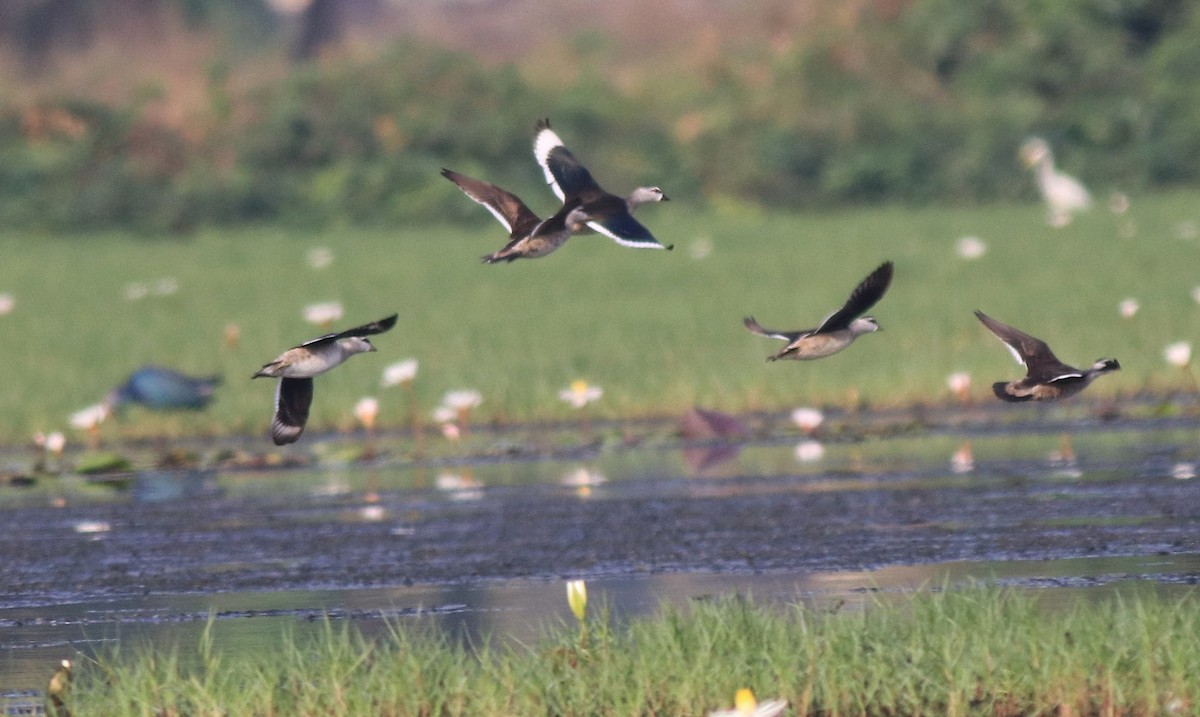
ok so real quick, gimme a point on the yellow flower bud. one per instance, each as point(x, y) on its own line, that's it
point(577, 598)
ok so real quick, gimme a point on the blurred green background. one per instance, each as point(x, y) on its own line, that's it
point(166, 115)
point(211, 144)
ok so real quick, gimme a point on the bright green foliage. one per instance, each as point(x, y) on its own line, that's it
point(928, 102)
point(658, 331)
point(971, 651)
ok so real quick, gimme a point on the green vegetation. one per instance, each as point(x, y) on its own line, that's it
point(658, 331)
point(920, 101)
point(974, 651)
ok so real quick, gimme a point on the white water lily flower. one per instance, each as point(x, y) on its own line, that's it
point(399, 373)
point(970, 248)
point(89, 418)
point(808, 419)
point(960, 384)
point(1183, 471)
point(372, 513)
point(323, 313)
point(963, 460)
point(444, 414)
point(445, 417)
point(93, 526)
point(460, 487)
point(582, 478)
point(1129, 307)
point(7, 304)
point(580, 393)
point(462, 399)
point(54, 442)
point(1178, 354)
point(809, 451)
point(366, 410)
point(745, 705)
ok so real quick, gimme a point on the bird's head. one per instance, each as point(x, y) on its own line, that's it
point(1034, 151)
point(357, 344)
point(865, 325)
point(645, 195)
point(1105, 365)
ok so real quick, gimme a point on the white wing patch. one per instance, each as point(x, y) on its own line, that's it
point(1065, 376)
point(546, 141)
point(1015, 354)
point(499, 217)
point(646, 244)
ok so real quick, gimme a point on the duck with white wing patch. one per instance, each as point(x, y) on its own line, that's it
point(1046, 378)
point(296, 367)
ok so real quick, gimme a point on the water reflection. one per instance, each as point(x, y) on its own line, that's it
point(702, 516)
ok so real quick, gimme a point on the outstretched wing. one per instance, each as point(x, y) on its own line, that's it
point(564, 173)
point(864, 296)
point(507, 207)
point(621, 227)
point(1027, 350)
point(375, 327)
point(293, 396)
point(757, 328)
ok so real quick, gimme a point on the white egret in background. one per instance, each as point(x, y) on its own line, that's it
point(1064, 195)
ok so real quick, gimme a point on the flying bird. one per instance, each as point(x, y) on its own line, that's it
point(296, 367)
point(607, 213)
point(163, 389)
point(1046, 377)
point(529, 237)
point(1064, 195)
point(839, 329)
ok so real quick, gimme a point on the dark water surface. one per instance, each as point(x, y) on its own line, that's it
point(483, 546)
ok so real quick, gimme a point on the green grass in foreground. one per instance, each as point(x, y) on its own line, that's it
point(975, 651)
point(658, 331)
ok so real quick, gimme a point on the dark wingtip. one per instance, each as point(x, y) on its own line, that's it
point(386, 324)
point(542, 124)
point(670, 247)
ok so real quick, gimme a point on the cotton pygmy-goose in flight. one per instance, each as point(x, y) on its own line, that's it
point(839, 329)
point(163, 389)
point(529, 236)
point(1046, 378)
point(608, 214)
point(296, 367)
point(1064, 195)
